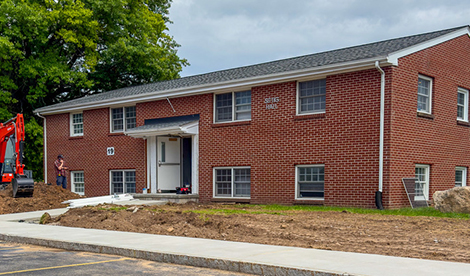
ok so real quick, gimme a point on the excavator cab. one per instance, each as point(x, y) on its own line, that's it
point(11, 158)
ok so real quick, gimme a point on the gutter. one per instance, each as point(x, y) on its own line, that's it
point(378, 194)
point(45, 146)
point(225, 86)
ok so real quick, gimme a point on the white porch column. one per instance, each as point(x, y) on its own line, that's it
point(152, 161)
point(195, 164)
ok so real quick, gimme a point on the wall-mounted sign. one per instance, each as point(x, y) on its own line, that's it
point(110, 151)
point(271, 103)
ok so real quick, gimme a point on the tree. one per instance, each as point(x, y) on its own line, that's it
point(56, 50)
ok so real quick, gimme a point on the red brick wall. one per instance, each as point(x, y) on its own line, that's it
point(439, 142)
point(345, 138)
point(88, 152)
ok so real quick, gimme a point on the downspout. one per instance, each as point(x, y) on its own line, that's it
point(45, 146)
point(378, 194)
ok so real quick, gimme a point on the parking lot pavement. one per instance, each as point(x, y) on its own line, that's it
point(19, 259)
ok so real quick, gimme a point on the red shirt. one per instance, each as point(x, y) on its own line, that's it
point(59, 172)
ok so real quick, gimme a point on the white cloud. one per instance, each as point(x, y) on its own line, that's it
point(220, 34)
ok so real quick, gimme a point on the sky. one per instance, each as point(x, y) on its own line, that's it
point(221, 34)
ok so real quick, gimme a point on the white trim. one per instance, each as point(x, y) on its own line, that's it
point(226, 86)
point(195, 164)
point(427, 182)
point(465, 107)
point(123, 180)
point(152, 159)
point(297, 179)
point(232, 184)
point(393, 57)
point(430, 93)
point(72, 133)
point(189, 128)
point(297, 99)
point(72, 174)
point(464, 175)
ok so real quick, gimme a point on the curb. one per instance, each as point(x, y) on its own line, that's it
point(227, 265)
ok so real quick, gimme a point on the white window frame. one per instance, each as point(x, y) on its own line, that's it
point(430, 94)
point(464, 106)
point(72, 125)
point(464, 176)
point(297, 101)
point(426, 182)
point(124, 119)
point(234, 109)
point(124, 187)
point(297, 188)
point(214, 175)
point(74, 183)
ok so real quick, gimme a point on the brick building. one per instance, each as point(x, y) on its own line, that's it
point(330, 128)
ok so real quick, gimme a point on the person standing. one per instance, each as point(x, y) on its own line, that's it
point(61, 171)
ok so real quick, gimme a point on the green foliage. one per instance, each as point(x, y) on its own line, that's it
point(56, 50)
point(34, 145)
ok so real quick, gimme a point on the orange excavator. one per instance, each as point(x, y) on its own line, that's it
point(11, 157)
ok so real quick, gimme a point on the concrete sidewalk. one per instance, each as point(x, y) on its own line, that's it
point(232, 256)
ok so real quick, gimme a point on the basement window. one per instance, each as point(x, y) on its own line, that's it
point(422, 182)
point(122, 181)
point(460, 176)
point(232, 182)
point(78, 182)
point(310, 182)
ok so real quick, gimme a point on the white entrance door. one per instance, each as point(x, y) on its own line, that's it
point(168, 166)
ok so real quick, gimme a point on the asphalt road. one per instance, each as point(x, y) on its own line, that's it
point(19, 259)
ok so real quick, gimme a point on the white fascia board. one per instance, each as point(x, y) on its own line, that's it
point(229, 86)
point(393, 57)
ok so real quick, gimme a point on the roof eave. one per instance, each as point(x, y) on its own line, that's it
point(395, 56)
point(246, 83)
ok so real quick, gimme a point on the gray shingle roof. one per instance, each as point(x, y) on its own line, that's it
point(366, 51)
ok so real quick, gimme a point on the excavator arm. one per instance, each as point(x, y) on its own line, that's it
point(14, 129)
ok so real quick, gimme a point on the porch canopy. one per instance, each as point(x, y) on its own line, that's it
point(180, 125)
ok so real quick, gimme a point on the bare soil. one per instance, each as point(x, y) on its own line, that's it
point(443, 239)
point(44, 197)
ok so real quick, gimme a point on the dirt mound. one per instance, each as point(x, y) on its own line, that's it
point(44, 197)
point(416, 237)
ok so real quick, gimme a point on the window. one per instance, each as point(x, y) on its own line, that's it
point(232, 182)
point(123, 182)
point(422, 182)
point(311, 97)
point(78, 183)
point(462, 104)
point(123, 118)
point(424, 94)
point(76, 124)
point(231, 107)
point(310, 181)
point(460, 176)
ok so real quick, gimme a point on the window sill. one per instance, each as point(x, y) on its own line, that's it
point(463, 123)
point(230, 199)
point(227, 124)
point(75, 137)
point(425, 115)
point(116, 134)
point(300, 117)
point(309, 201)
